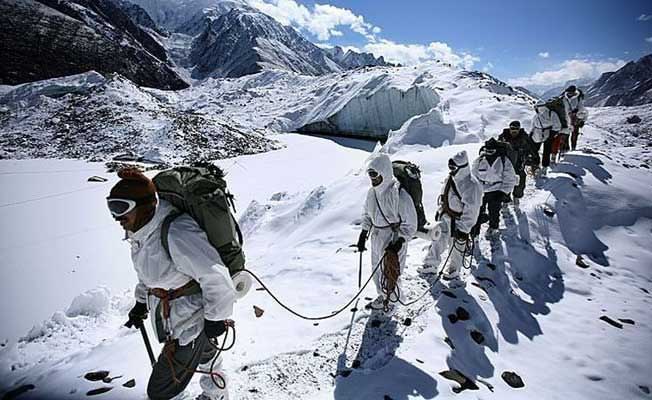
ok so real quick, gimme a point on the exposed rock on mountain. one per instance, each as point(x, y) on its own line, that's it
point(243, 42)
point(89, 117)
point(629, 86)
point(352, 59)
point(139, 16)
point(52, 38)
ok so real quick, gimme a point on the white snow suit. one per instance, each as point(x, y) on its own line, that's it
point(499, 175)
point(384, 206)
point(575, 105)
point(191, 257)
point(544, 121)
point(464, 200)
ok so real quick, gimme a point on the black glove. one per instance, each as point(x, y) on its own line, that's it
point(362, 239)
point(461, 236)
point(506, 198)
point(396, 246)
point(137, 315)
point(214, 329)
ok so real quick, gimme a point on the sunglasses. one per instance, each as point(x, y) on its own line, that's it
point(120, 207)
point(489, 152)
point(373, 174)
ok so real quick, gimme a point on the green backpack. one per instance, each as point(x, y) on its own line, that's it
point(409, 176)
point(201, 192)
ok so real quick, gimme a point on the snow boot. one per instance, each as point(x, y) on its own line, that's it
point(452, 279)
point(377, 304)
point(428, 269)
point(222, 396)
point(492, 233)
point(391, 310)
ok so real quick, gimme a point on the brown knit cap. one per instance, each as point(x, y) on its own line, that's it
point(133, 185)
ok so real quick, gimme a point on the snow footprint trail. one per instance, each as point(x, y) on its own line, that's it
point(372, 344)
point(373, 341)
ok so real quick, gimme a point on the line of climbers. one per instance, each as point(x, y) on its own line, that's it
point(471, 196)
point(186, 246)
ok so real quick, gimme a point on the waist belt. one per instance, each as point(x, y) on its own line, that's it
point(167, 295)
point(488, 183)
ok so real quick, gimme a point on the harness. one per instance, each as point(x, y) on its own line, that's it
point(163, 309)
point(394, 226)
point(163, 324)
point(444, 206)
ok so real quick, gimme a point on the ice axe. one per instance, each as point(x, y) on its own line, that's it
point(143, 332)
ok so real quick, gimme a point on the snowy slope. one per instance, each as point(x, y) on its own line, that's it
point(89, 117)
point(537, 311)
point(364, 102)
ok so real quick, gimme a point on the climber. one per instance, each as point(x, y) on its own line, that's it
point(495, 171)
point(524, 154)
point(190, 290)
point(390, 221)
point(459, 207)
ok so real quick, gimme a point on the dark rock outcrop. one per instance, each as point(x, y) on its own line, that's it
point(53, 38)
point(629, 86)
point(352, 59)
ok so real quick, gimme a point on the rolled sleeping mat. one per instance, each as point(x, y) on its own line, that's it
point(243, 283)
point(437, 230)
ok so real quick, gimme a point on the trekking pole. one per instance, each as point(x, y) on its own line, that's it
point(148, 345)
point(360, 271)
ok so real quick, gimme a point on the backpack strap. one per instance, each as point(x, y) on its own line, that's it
point(165, 230)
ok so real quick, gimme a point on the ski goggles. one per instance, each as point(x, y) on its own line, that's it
point(489, 152)
point(454, 167)
point(120, 207)
point(373, 174)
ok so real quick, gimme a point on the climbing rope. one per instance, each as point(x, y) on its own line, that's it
point(323, 317)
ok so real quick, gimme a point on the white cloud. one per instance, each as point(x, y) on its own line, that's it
point(568, 70)
point(325, 21)
point(322, 21)
point(648, 39)
point(644, 17)
point(409, 54)
point(488, 67)
point(544, 54)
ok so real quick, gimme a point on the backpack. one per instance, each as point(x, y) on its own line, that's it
point(409, 177)
point(201, 192)
point(556, 105)
point(504, 150)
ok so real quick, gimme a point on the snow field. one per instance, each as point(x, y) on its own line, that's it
point(536, 310)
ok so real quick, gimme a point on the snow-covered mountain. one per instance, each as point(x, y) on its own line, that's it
point(582, 84)
point(352, 59)
point(232, 39)
point(367, 102)
point(631, 85)
point(92, 117)
point(243, 42)
point(52, 38)
point(173, 14)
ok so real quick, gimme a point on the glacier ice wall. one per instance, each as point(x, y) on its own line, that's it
point(368, 109)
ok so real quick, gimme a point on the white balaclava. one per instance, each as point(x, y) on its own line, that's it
point(387, 192)
point(462, 161)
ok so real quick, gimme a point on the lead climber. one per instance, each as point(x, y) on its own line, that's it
point(189, 289)
point(389, 220)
